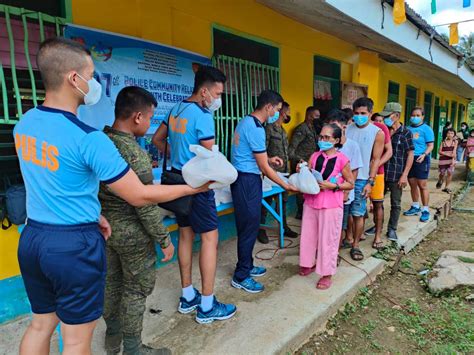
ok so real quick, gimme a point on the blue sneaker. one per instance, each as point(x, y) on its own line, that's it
point(219, 311)
point(258, 271)
point(249, 285)
point(425, 216)
point(413, 211)
point(186, 307)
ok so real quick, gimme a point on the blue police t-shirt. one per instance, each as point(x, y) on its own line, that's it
point(249, 139)
point(422, 135)
point(188, 123)
point(62, 161)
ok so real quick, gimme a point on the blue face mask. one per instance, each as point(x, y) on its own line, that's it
point(323, 145)
point(415, 121)
point(388, 122)
point(360, 120)
point(274, 118)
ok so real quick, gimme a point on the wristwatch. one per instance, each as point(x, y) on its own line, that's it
point(337, 188)
point(371, 181)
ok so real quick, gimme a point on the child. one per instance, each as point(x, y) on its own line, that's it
point(469, 148)
point(447, 156)
point(322, 213)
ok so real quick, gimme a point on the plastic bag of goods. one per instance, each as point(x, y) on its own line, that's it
point(208, 165)
point(305, 181)
point(223, 195)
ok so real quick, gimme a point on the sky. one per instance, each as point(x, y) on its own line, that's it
point(447, 11)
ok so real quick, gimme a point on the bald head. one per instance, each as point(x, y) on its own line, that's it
point(58, 56)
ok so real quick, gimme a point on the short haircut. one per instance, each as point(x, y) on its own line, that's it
point(416, 108)
point(336, 115)
point(336, 133)
point(451, 130)
point(133, 99)
point(207, 75)
point(363, 102)
point(268, 97)
point(375, 115)
point(349, 113)
point(285, 104)
point(56, 57)
point(310, 109)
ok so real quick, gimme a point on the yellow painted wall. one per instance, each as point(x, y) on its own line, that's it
point(188, 24)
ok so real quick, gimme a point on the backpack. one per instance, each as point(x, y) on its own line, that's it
point(13, 205)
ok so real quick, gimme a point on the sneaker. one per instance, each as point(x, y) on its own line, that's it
point(290, 233)
point(262, 236)
point(425, 216)
point(392, 235)
point(249, 285)
point(413, 211)
point(219, 311)
point(370, 231)
point(186, 307)
point(258, 271)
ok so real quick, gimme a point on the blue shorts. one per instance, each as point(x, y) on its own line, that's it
point(420, 171)
point(63, 268)
point(345, 217)
point(203, 216)
point(359, 205)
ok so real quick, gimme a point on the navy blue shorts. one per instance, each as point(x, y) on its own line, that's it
point(203, 216)
point(345, 217)
point(63, 268)
point(421, 170)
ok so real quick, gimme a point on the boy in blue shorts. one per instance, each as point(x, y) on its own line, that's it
point(191, 122)
point(62, 249)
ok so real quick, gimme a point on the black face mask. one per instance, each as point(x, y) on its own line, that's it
point(287, 119)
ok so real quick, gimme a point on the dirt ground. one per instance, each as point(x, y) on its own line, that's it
point(398, 315)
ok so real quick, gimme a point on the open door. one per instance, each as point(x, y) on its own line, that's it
point(438, 125)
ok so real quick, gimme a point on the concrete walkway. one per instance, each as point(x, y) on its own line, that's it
point(278, 320)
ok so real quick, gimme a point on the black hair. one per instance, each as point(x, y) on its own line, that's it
point(418, 108)
point(465, 123)
point(447, 123)
point(375, 115)
point(133, 99)
point(336, 133)
point(363, 102)
point(337, 115)
point(207, 75)
point(311, 109)
point(349, 113)
point(56, 57)
point(285, 104)
point(268, 97)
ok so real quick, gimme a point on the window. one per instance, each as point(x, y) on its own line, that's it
point(427, 105)
point(393, 92)
point(410, 100)
point(327, 84)
point(249, 70)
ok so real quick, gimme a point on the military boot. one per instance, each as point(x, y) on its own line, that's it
point(113, 336)
point(132, 345)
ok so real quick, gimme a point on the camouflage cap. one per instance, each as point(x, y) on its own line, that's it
point(391, 107)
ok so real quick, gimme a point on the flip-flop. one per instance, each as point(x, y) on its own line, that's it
point(378, 245)
point(346, 244)
point(305, 271)
point(447, 190)
point(324, 283)
point(438, 185)
point(356, 254)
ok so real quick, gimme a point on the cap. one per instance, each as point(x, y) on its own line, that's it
point(391, 107)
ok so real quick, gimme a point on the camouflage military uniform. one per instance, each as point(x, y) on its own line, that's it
point(302, 146)
point(131, 254)
point(277, 146)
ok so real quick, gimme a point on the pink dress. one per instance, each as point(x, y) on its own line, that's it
point(322, 217)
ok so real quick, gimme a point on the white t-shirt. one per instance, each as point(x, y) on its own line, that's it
point(352, 151)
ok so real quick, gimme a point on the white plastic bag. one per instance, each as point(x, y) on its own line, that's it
point(223, 195)
point(305, 181)
point(207, 166)
point(266, 184)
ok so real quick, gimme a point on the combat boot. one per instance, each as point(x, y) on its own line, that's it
point(132, 345)
point(113, 336)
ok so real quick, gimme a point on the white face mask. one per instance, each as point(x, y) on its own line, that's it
point(94, 93)
point(215, 103)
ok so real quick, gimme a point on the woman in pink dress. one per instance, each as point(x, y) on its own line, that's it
point(322, 213)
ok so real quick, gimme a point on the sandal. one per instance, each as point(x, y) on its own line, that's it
point(378, 245)
point(438, 185)
point(346, 244)
point(447, 190)
point(324, 283)
point(305, 271)
point(356, 254)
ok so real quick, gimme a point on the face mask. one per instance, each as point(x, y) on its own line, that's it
point(215, 104)
point(323, 145)
point(360, 120)
point(274, 118)
point(415, 121)
point(388, 122)
point(95, 90)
